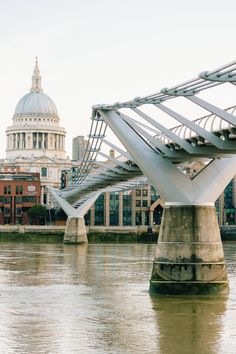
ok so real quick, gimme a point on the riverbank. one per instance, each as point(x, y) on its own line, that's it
point(96, 234)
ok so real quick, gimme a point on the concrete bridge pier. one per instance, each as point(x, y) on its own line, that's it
point(75, 230)
point(189, 257)
point(75, 226)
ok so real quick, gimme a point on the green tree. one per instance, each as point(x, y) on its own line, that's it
point(37, 214)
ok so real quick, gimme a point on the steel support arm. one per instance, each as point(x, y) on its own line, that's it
point(213, 109)
point(163, 175)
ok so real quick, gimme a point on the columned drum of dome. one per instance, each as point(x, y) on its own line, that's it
point(35, 129)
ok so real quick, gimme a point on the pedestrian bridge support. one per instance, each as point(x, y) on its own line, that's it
point(75, 230)
point(189, 257)
point(75, 226)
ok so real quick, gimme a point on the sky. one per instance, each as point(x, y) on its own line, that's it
point(106, 51)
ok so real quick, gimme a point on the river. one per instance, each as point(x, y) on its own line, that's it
point(94, 298)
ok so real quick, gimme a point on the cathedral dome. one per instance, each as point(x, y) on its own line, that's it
point(36, 102)
point(35, 129)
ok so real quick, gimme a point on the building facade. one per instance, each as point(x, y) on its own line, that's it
point(141, 206)
point(19, 191)
point(226, 204)
point(79, 145)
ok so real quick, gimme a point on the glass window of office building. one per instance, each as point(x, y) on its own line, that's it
point(228, 203)
point(138, 192)
point(114, 208)
point(217, 206)
point(87, 218)
point(154, 195)
point(145, 193)
point(138, 218)
point(127, 208)
point(99, 211)
point(146, 217)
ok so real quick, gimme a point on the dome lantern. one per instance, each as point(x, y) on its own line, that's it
point(36, 79)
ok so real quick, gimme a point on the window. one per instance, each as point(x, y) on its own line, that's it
point(34, 139)
point(138, 192)
point(138, 203)
point(87, 217)
point(229, 208)
point(44, 172)
point(127, 208)
point(21, 189)
point(29, 199)
point(18, 211)
point(145, 192)
point(99, 211)
point(114, 208)
point(154, 195)
point(7, 200)
point(6, 211)
point(145, 203)
point(18, 200)
point(8, 189)
point(146, 218)
point(138, 218)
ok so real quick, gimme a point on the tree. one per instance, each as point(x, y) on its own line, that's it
point(37, 214)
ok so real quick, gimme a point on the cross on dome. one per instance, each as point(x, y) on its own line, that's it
point(36, 79)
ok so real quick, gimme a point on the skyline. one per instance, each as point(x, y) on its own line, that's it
point(92, 53)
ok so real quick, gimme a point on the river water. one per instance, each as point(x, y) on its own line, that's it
point(94, 298)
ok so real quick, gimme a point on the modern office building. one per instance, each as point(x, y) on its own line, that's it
point(141, 206)
point(79, 145)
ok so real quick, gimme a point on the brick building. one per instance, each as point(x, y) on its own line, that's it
point(19, 191)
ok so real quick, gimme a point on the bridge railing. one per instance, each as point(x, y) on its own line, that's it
point(210, 122)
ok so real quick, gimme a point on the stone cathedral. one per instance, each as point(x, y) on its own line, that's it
point(35, 140)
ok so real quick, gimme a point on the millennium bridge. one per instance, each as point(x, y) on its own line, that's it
point(189, 258)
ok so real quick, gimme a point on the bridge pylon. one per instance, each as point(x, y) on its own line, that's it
point(75, 231)
point(189, 257)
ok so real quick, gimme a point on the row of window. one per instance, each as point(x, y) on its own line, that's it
point(18, 189)
point(114, 209)
point(36, 119)
point(19, 200)
point(144, 192)
point(99, 218)
point(143, 204)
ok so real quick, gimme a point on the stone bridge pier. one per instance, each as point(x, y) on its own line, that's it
point(189, 257)
point(75, 231)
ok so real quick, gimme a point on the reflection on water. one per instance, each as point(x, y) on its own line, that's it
point(94, 299)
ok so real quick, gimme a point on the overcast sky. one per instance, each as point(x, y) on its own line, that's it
point(104, 51)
